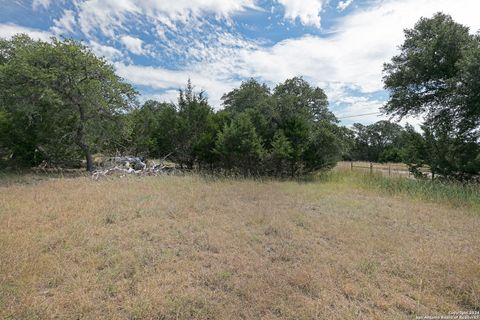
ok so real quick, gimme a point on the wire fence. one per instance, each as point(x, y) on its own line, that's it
point(386, 169)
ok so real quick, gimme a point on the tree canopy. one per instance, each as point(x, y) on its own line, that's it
point(436, 76)
point(58, 100)
point(288, 131)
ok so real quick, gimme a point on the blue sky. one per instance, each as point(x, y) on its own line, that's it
point(339, 45)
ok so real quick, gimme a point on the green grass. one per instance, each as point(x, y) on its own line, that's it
point(454, 194)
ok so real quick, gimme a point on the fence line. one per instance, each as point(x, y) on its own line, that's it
point(371, 167)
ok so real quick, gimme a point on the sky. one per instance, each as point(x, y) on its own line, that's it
point(157, 45)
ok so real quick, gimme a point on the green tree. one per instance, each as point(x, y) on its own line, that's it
point(240, 147)
point(280, 154)
point(323, 150)
point(413, 150)
point(346, 138)
point(301, 112)
point(436, 75)
point(192, 125)
point(378, 142)
point(153, 129)
point(256, 100)
point(62, 100)
point(467, 111)
point(250, 95)
point(205, 148)
point(297, 96)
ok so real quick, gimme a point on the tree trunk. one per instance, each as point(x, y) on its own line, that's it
point(81, 139)
point(89, 158)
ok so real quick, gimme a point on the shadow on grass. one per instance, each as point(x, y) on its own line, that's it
point(26, 176)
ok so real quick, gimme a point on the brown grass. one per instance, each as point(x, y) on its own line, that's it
point(386, 169)
point(186, 248)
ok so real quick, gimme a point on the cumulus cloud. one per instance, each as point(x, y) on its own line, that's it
point(170, 96)
point(186, 31)
point(307, 11)
point(134, 45)
point(40, 3)
point(109, 16)
point(169, 81)
point(65, 24)
point(8, 30)
point(342, 5)
point(110, 53)
point(355, 52)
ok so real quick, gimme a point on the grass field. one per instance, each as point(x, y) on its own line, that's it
point(195, 248)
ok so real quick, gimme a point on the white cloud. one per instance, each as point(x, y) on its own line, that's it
point(342, 5)
point(350, 57)
point(109, 53)
point(359, 106)
point(307, 11)
point(66, 24)
point(40, 3)
point(134, 45)
point(8, 30)
point(109, 16)
point(170, 96)
point(171, 80)
point(355, 52)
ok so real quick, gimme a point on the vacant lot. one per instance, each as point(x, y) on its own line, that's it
point(188, 248)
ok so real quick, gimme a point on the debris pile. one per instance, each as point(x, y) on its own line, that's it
point(122, 166)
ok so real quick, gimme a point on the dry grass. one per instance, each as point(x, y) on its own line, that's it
point(386, 169)
point(185, 248)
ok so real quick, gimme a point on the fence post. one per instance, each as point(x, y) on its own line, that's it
point(371, 167)
point(389, 170)
point(351, 165)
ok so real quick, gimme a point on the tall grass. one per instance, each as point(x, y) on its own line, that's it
point(455, 194)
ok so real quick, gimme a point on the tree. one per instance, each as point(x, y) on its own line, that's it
point(297, 96)
point(280, 154)
point(256, 100)
point(290, 122)
point(323, 150)
point(378, 142)
point(61, 98)
point(436, 75)
point(207, 157)
point(250, 95)
point(301, 112)
point(239, 146)
point(468, 99)
point(413, 150)
point(153, 129)
point(193, 120)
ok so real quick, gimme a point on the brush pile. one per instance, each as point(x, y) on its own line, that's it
point(127, 165)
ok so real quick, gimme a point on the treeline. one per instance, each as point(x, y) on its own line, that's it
point(59, 104)
point(287, 131)
point(386, 141)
